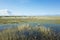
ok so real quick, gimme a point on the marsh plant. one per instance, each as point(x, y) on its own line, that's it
point(26, 32)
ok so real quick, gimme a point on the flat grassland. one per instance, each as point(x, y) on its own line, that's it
point(22, 19)
point(26, 31)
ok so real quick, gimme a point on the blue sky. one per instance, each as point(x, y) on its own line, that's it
point(30, 7)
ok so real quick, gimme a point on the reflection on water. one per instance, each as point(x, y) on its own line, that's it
point(54, 27)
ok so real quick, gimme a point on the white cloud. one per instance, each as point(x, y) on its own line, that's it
point(5, 12)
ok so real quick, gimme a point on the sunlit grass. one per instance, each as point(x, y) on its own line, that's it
point(26, 32)
point(46, 19)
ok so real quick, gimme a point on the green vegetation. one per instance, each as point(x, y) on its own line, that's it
point(26, 32)
point(22, 19)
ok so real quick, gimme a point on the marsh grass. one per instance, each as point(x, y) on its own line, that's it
point(20, 19)
point(26, 32)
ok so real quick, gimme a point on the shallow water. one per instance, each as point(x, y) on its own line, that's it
point(54, 27)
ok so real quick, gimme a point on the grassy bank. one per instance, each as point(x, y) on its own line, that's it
point(26, 32)
point(6, 20)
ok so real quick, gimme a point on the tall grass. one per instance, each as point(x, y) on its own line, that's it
point(26, 32)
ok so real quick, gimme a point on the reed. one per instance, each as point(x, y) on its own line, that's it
point(26, 32)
